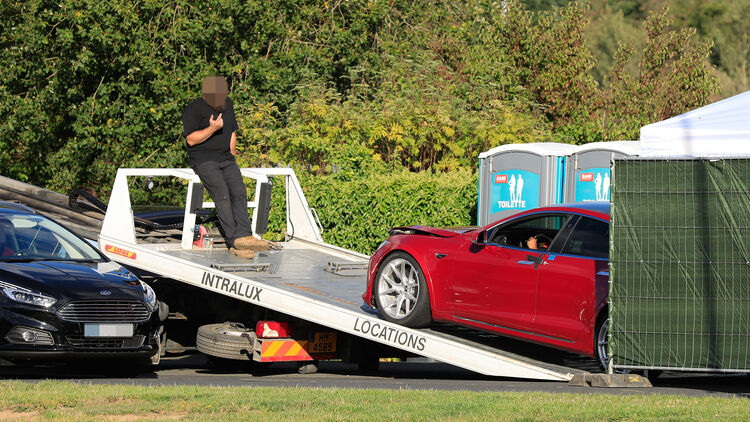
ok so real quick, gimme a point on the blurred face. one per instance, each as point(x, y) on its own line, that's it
point(215, 92)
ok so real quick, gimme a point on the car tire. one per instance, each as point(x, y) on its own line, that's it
point(154, 360)
point(601, 341)
point(400, 291)
point(226, 341)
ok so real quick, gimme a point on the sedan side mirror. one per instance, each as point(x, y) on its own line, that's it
point(481, 238)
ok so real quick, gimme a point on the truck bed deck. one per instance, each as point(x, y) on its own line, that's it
point(298, 267)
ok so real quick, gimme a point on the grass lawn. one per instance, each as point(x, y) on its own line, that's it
point(59, 401)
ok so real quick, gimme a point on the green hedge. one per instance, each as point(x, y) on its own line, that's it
point(357, 214)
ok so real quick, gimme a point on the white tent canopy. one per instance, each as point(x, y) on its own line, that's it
point(718, 129)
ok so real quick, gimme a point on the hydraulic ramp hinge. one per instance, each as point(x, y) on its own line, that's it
point(348, 269)
point(245, 268)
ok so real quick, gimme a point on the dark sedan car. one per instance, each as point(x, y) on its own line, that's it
point(61, 298)
point(541, 275)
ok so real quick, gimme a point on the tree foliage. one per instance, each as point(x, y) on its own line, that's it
point(674, 77)
point(348, 88)
point(721, 23)
point(90, 86)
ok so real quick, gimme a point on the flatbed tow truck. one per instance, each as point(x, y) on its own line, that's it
point(299, 301)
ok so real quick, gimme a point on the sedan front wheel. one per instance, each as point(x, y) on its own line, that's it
point(401, 291)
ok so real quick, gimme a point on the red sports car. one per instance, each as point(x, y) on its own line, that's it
point(541, 275)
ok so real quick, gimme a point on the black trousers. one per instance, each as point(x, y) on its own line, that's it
point(223, 181)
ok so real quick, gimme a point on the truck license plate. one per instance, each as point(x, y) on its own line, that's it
point(108, 330)
point(323, 342)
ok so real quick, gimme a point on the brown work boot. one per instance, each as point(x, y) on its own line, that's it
point(251, 243)
point(243, 253)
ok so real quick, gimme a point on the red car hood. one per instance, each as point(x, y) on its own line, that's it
point(446, 232)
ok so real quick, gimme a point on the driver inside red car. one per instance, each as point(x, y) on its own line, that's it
point(533, 243)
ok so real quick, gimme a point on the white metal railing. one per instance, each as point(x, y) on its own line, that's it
point(118, 222)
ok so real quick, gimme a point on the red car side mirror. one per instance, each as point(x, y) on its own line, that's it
point(480, 238)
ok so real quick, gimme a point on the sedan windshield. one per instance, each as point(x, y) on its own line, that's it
point(30, 237)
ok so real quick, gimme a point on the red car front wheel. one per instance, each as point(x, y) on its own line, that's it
point(401, 291)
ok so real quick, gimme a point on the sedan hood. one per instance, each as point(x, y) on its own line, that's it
point(73, 280)
point(426, 230)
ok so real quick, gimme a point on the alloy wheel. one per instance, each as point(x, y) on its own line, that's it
point(602, 340)
point(398, 288)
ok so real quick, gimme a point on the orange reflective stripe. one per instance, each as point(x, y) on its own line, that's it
point(295, 349)
point(271, 348)
point(284, 349)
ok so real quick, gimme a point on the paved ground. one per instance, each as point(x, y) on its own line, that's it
point(194, 369)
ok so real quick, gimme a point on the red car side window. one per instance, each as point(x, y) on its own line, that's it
point(519, 233)
point(589, 238)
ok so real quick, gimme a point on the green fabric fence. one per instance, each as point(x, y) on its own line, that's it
point(680, 264)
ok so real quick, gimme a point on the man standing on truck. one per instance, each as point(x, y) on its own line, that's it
point(210, 131)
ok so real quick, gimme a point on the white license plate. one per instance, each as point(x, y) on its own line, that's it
point(108, 330)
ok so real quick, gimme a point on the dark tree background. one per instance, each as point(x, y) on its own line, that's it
point(348, 88)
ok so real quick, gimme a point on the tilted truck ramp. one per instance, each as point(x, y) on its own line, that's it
point(306, 279)
point(294, 281)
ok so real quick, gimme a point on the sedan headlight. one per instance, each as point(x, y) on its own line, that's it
point(22, 295)
point(385, 242)
point(149, 296)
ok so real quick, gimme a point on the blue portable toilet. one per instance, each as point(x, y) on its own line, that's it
point(589, 169)
point(518, 177)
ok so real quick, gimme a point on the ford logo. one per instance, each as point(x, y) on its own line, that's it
point(105, 293)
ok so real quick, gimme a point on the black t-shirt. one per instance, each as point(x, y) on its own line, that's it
point(216, 147)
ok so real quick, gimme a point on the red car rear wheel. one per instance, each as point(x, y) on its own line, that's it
point(601, 341)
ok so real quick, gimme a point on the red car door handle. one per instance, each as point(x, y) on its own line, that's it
point(534, 260)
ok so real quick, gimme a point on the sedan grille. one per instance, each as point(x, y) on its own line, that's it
point(79, 342)
point(104, 311)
